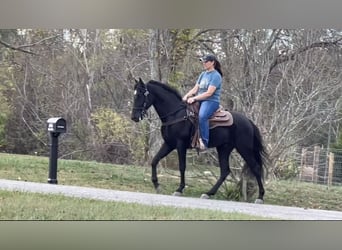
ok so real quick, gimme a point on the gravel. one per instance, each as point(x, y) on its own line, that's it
point(264, 210)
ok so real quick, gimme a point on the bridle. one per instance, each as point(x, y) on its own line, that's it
point(143, 108)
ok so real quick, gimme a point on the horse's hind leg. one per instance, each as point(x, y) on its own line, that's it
point(260, 199)
point(163, 151)
point(248, 156)
point(223, 155)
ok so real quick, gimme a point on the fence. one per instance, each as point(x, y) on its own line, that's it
point(320, 166)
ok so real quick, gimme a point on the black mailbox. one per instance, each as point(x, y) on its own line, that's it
point(57, 125)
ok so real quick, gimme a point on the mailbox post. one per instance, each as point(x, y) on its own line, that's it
point(56, 126)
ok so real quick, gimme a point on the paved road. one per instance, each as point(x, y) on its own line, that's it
point(279, 212)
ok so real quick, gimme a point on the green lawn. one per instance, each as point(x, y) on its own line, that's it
point(135, 178)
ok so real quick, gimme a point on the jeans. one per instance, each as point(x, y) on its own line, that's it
point(207, 109)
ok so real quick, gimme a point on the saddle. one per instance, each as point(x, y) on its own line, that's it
point(220, 118)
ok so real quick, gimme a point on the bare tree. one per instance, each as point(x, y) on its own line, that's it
point(287, 81)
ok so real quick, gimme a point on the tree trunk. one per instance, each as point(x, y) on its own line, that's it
point(154, 139)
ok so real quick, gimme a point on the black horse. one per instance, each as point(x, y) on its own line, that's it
point(177, 131)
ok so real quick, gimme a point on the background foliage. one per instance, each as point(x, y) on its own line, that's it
point(287, 81)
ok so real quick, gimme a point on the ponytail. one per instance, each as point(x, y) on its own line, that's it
point(217, 66)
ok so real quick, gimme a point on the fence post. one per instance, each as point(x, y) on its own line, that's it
point(302, 162)
point(316, 163)
point(331, 168)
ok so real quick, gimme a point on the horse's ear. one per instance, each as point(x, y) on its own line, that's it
point(141, 81)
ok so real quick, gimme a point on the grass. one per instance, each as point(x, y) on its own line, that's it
point(137, 179)
point(94, 174)
point(31, 206)
point(305, 195)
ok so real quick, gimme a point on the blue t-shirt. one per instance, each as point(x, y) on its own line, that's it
point(208, 78)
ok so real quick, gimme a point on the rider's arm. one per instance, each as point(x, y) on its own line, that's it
point(205, 95)
point(192, 92)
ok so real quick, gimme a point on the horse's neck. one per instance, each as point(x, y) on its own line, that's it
point(165, 103)
point(164, 108)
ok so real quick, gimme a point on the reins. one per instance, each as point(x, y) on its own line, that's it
point(182, 106)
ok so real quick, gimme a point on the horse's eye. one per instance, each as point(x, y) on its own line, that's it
point(135, 92)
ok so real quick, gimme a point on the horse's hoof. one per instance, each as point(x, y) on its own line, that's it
point(205, 196)
point(177, 194)
point(158, 190)
point(259, 201)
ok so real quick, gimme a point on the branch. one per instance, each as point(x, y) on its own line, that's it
point(36, 43)
point(275, 35)
point(284, 58)
point(16, 48)
point(20, 48)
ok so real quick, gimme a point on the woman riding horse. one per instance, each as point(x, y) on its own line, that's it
point(177, 131)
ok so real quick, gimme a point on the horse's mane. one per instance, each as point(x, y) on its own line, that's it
point(166, 87)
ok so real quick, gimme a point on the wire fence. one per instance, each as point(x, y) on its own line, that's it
point(319, 165)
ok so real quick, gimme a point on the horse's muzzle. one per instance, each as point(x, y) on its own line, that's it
point(134, 118)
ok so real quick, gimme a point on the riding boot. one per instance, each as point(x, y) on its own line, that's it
point(202, 146)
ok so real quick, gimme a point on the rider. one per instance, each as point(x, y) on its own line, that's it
point(207, 91)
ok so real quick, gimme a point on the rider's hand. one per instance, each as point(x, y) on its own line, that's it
point(191, 100)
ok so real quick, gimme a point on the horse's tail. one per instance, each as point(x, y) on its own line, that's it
point(260, 152)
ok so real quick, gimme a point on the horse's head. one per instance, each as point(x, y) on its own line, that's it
point(141, 101)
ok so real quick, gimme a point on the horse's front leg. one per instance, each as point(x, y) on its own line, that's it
point(163, 151)
point(181, 150)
